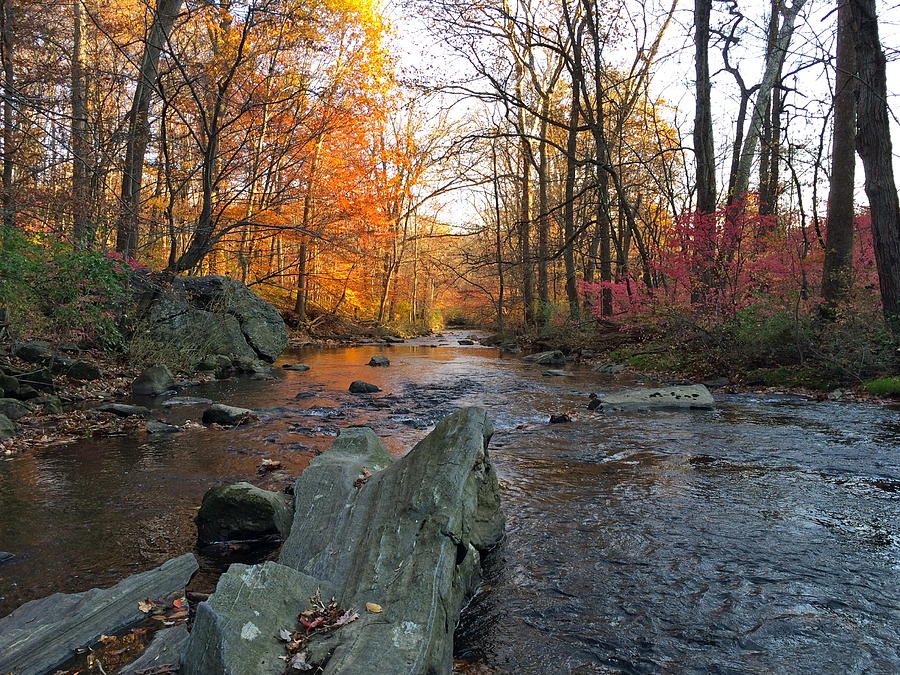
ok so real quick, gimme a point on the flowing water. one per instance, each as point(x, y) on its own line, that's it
point(760, 537)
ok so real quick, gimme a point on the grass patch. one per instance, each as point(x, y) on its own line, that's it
point(884, 386)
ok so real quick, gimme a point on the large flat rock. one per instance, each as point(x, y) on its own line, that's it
point(42, 634)
point(680, 396)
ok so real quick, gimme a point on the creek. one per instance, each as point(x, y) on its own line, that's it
point(763, 536)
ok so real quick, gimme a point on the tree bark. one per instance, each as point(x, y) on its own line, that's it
point(704, 148)
point(873, 142)
point(837, 270)
point(82, 200)
point(9, 120)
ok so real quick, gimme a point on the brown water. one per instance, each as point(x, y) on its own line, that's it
point(762, 537)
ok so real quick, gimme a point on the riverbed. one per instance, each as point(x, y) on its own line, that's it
point(761, 537)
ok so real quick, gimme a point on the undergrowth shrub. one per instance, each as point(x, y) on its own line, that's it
point(52, 289)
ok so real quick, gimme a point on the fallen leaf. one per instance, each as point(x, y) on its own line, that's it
point(179, 603)
point(284, 635)
point(299, 662)
point(374, 607)
point(346, 618)
point(145, 606)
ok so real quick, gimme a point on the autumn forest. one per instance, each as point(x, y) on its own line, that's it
point(526, 165)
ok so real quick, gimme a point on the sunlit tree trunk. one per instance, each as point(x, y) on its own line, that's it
point(82, 199)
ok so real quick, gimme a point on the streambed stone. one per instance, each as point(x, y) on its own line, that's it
point(227, 415)
point(124, 410)
point(153, 381)
point(551, 358)
point(360, 387)
point(241, 511)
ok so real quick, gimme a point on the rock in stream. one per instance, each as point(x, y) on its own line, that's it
point(407, 535)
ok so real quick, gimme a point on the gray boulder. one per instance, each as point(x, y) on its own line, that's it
point(608, 368)
point(217, 315)
point(8, 428)
point(215, 363)
point(75, 369)
point(13, 408)
point(42, 634)
point(241, 511)
point(379, 361)
point(9, 385)
point(360, 387)
point(297, 367)
point(5, 557)
point(406, 535)
point(154, 381)
point(52, 405)
point(227, 415)
point(680, 396)
point(557, 373)
point(553, 358)
point(34, 351)
point(124, 410)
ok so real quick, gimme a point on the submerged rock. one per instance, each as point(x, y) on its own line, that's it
point(155, 427)
point(360, 387)
point(297, 367)
point(186, 400)
point(557, 373)
point(124, 410)
point(552, 358)
point(241, 511)
point(42, 634)
point(404, 536)
point(679, 396)
point(560, 419)
point(466, 342)
point(378, 361)
point(227, 415)
point(153, 381)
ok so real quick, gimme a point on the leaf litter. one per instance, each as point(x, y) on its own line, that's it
point(321, 619)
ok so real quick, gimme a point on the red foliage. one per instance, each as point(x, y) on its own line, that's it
point(720, 263)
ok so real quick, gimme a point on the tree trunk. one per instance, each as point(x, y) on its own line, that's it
point(525, 236)
point(543, 220)
point(704, 149)
point(569, 206)
point(9, 88)
point(837, 270)
point(82, 201)
point(773, 66)
point(139, 127)
point(873, 142)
